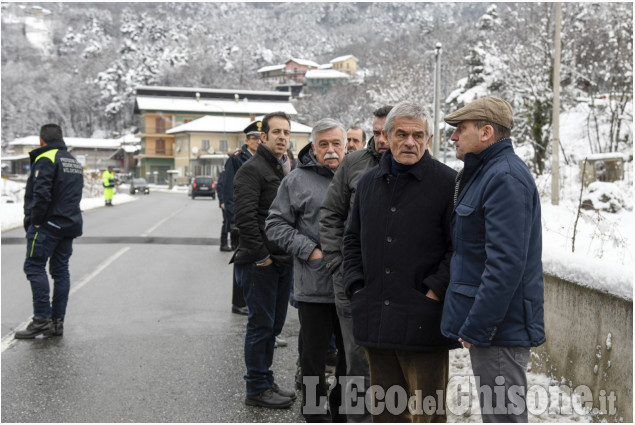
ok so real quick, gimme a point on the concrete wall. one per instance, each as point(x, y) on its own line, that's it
point(578, 322)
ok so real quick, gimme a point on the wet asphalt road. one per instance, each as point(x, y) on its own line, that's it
point(149, 334)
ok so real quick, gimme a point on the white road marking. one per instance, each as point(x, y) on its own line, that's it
point(156, 226)
point(8, 340)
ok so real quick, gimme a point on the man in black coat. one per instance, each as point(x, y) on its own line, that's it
point(263, 269)
point(397, 251)
point(52, 219)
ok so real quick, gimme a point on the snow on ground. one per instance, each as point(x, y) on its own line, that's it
point(12, 193)
point(546, 400)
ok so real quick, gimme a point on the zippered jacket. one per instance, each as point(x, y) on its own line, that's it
point(255, 187)
point(293, 224)
point(496, 291)
point(54, 191)
point(338, 202)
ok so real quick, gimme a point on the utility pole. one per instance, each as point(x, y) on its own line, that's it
point(436, 141)
point(555, 119)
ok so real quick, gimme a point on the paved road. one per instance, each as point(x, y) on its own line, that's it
point(149, 336)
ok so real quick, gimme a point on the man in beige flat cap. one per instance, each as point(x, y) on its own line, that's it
point(494, 304)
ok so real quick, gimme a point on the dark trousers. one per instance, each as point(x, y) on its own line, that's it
point(238, 298)
point(266, 292)
point(424, 371)
point(42, 247)
point(356, 362)
point(319, 322)
point(224, 229)
point(496, 368)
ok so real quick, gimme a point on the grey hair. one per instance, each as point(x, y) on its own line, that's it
point(410, 110)
point(327, 124)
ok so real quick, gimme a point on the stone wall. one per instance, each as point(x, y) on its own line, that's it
point(589, 342)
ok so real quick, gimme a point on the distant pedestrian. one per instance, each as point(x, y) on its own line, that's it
point(52, 219)
point(263, 269)
point(224, 231)
point(108, 178)
point(397, 250)
point(494, 304)
point(293, 224)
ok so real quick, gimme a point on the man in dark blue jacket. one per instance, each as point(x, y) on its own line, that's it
point(220, 185)
point(235, 161)
point(52, 219)
point(397, 251)
point(494, 304)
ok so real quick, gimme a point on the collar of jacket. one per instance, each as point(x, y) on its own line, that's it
point(473, 160)
point(418, 170)
point(56, 144)
point(271, 159)
point(307, 159)
point(246, 151)
point(371, 148)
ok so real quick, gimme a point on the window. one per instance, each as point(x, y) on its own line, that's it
point(159, 124)
point(223, 146)
point(160, 146)
point(293, 145)
point(205, 144)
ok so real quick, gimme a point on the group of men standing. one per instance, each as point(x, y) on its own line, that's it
point(395, 254)
point(392, 252)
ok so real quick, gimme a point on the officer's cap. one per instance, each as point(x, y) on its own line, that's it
point(254, 128)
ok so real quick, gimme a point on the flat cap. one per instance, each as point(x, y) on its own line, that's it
point(490, 109)
point(254, 127)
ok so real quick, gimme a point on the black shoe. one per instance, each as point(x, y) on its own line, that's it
point(57, 328)
point(240, 310)
point(280, 342)
point(269, 398)
point(285, 393)
point(38, 326)
point(225, 248)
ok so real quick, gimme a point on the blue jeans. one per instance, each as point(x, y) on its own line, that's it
point(42, 246)
point(266, 291)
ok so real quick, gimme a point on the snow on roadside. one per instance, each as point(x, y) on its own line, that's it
point(12, 212)
point(547, 401)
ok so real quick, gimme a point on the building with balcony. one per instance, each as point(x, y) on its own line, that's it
point(92, 154)
point(162, 108)
point(321, 80)
point(203, 146)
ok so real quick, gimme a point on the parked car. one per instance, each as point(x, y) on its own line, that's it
point(203, 186)
point(139, 185)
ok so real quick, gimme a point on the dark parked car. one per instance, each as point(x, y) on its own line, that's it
point(139, 186)
point(203, 186)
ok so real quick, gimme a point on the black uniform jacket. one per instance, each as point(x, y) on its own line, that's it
point(54, 191)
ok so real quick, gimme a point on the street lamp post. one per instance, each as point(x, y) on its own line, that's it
point(437, 103)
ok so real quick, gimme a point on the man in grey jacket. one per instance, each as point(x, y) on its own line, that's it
point(334, 214)
point(293, 224)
